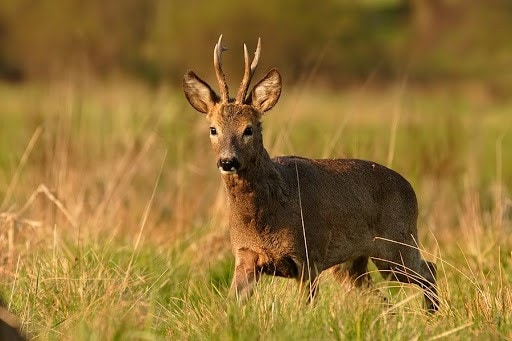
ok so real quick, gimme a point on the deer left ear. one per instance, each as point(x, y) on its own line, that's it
point(266, 93)
point(198, 93)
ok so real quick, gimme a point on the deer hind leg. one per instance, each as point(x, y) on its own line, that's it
point(412, 270)
point(246, 274)
point(358, 272)
point(355, 270)
point(429, 285)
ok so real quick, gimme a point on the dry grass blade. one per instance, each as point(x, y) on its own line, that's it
point(451, 331)
point(454, 267)
point(41, 189)
point(21, 164)
point(311, 285)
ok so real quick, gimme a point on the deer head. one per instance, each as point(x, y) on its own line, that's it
point(235, 123)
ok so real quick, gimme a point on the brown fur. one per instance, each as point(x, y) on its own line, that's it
point(346, 212)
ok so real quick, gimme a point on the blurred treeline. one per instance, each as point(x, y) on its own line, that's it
point(333, 41)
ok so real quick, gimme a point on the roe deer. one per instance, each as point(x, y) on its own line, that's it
point(296, 217)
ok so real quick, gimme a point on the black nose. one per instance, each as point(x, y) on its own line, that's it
point(229, 165)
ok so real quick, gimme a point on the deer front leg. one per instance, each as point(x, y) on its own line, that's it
point(246, 274)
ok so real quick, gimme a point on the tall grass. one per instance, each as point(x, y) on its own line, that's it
point(113, 218)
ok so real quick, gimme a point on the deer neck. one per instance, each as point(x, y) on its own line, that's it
point(260, 184)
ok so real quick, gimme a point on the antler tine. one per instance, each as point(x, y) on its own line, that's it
point(217, 63)
point(248, 72)
point(256, 57)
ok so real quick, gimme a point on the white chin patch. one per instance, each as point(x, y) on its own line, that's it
point(229, 172)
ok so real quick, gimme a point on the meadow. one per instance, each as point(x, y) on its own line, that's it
point(113, 218)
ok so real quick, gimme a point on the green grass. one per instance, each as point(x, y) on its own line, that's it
point(113, 219)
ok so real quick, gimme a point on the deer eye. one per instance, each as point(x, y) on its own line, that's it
point(248, 131)
point(213, 131)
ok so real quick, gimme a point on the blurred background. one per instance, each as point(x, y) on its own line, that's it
point(334, 42)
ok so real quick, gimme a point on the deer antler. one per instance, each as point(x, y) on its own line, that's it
point(248, 73)
point(217, 63)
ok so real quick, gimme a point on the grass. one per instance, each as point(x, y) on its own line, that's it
point(114, 225)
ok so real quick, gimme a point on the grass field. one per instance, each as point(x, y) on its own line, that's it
point(113, 222)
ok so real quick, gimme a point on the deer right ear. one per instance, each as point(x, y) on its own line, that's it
point(198, 93)
point(266, 93)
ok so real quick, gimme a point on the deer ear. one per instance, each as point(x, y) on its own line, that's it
point(198, 93)
point(266, 93)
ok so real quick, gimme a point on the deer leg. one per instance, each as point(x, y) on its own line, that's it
point(356, 270)
point(424, 277)
point(420, 272)
point(428, 284)
point(246, 274)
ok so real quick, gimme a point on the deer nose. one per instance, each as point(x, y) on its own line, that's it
point(229, 165)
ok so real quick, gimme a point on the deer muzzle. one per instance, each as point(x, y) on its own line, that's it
point(228, 165)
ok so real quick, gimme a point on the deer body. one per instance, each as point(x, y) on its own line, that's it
point(296, 217)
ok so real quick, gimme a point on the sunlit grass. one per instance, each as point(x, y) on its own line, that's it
point(113, 219)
